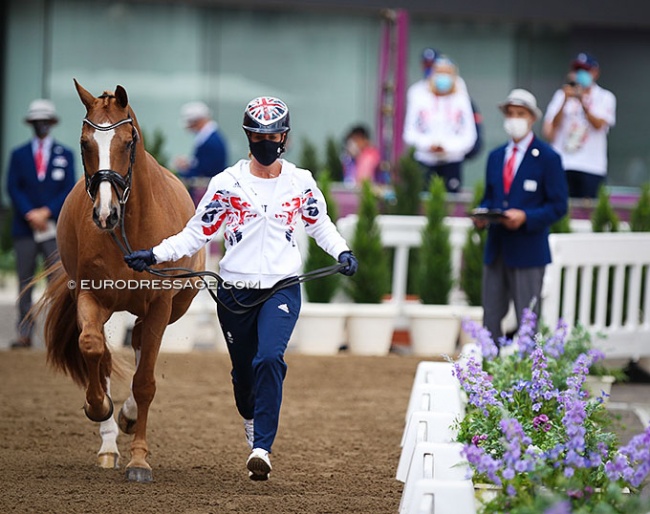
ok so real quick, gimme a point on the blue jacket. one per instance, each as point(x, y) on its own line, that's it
point(209, 158)
point(27, 192)
point(540, 189)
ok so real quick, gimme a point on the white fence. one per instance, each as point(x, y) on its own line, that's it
point(601, 281)
point(598, 280)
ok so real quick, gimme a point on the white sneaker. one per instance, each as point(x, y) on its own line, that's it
point(250, 432)
point(258, 464)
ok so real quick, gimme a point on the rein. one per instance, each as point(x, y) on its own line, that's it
point(123, 184)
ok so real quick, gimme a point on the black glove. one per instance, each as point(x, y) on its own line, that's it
point(351, 263)
point(140, 259)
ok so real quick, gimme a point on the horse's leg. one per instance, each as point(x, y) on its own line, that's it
point(91, 317)
point(144, 384)
point(108, 455)
point(128, 415)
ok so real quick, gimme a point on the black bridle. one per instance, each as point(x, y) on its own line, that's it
point(122, 187)
point(120, 184)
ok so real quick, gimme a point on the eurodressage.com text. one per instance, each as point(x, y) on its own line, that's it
point(164, 284)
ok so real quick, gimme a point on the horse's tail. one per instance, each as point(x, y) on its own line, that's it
point(61, 331)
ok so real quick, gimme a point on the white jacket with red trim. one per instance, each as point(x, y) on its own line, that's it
point(260, 244)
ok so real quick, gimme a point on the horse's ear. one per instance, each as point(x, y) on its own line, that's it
point(86, 98)
point(121, 97)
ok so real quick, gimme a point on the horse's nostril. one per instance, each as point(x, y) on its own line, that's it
point(113, 217)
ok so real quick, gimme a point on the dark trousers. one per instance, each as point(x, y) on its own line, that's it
point(257, 340)
point(27, 251)
point(582, 184)
point(502, 284)
point(450, 172)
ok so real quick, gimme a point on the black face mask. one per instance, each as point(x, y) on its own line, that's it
point(265, 151)
point(41, 128)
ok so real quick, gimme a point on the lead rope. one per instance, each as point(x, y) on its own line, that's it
point(171, 272)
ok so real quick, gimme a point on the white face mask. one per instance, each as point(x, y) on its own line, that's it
point(516, 128)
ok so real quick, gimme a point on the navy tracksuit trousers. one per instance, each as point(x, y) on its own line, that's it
point(257, 340)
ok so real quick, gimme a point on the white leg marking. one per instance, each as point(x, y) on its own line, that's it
point(108, 431)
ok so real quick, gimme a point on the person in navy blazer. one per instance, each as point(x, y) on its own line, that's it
point(210, 154)
point(41, 174)
point(530, 189)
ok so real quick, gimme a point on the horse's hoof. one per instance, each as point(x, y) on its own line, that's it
point(108, 460)
point(126, 425)
point(141, 475)
point(100, 418)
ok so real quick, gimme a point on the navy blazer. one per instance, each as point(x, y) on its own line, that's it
point(209, 158)
point(27, 192)
point(540, 189)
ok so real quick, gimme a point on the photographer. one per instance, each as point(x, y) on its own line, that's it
point(577, 123)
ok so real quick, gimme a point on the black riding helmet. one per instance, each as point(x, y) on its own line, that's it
point(266, 115)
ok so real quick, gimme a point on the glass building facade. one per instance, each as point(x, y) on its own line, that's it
point(323, 61)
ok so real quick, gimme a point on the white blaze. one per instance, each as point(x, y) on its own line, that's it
point(105, 193)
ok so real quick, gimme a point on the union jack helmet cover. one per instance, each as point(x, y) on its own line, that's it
point(266, 115)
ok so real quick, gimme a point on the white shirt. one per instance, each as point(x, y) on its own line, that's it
point(259, 226)
point(46, 148)
point(205, 132)
point(522, 148)
point(446, 120)
point(581, 146)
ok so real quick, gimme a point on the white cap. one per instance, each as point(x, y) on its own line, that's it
point(41, 110)
point(523, 98)
point(194, 111)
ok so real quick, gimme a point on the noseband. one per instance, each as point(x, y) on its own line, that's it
point(121, 185)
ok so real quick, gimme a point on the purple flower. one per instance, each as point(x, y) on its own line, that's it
point(540, 386)
point(482, 337)
point(478, 439)
point(541, 422)
point(526, 333)
point(554, 346)
point(563, 507)
point(632, 461)
point(477, 384)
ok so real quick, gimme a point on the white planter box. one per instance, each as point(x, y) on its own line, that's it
point(370, 328)
point(596, 386)
point(321, 328)
point(434, 328)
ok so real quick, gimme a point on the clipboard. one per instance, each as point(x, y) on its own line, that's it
point(481, 213)
point(48, 233)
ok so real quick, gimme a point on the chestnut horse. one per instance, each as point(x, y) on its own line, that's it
point(126, 198)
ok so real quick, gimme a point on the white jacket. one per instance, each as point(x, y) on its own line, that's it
point(260, 244)
point(446, 120)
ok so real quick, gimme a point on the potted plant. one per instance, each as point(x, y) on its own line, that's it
point(334, 165)
point(640, 215)
point(371, 322)
point(433, 323)
point(535, 436)
point(407, 202)
point(321, 326)
point(604, 218)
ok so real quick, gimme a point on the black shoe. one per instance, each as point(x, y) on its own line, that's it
point(23, 342)
point(636, 374)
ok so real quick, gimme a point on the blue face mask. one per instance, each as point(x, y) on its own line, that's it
point(584, 78)
point(443, 82)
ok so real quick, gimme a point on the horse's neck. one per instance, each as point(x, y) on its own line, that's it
point(143, 177)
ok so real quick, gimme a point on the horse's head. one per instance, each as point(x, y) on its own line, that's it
point(108, 147)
